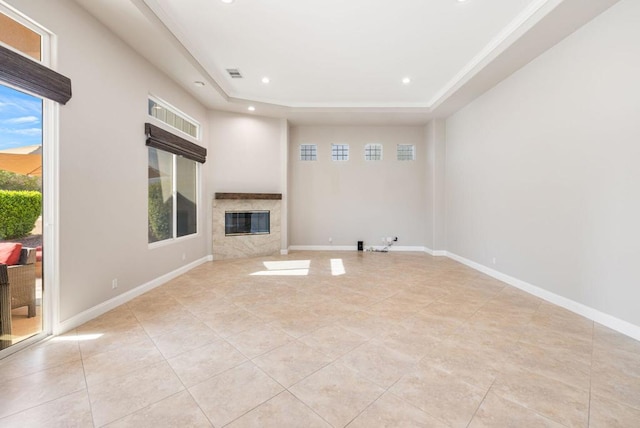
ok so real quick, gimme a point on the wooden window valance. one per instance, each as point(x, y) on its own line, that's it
point(164, 140)
point(24, 73)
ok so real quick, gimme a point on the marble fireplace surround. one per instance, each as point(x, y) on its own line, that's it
point(240, 246)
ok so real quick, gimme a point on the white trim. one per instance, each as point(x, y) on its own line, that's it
point(435, 253)
point(284, 252)
point(184, 116)
point(607, 320)
point(352, 248)
point(110, 304)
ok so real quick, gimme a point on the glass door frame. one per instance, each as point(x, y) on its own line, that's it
point(50, 191)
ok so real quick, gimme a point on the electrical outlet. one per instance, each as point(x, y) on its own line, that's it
point(114, 283)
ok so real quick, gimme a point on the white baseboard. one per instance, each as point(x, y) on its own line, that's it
point(284, 252)
point(96, 311)
point(435, 253)
point(607, 320)
point(352, 248)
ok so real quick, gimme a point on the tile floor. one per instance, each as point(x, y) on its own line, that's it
point(328, 340)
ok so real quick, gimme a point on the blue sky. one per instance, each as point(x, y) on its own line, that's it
point(20, 119)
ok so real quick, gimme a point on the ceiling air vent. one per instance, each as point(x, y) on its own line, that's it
point(234, 73)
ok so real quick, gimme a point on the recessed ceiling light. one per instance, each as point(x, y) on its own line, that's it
point(251, 108)
point(199, 83)
point(227, 1)
point(266, 80)
point(406, 80)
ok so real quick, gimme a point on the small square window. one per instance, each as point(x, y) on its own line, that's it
point(308, 152)
point(406, 152)
point(373, 152)
point(340, 152)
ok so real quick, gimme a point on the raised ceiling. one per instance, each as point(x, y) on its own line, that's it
point(337, 60)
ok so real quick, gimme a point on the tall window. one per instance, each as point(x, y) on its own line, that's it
point(173, 196)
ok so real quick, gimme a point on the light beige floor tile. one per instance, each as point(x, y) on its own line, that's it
point(51, 353)
point(605, 413)
point(28, 391)
point(616, 386)
point(441, 395)
point(72, 410)
point(180, 341)
point(125, 359)
point(283, 410)
point(333, 340)
point(231, 322)
point(553, 399)
point(179, 410)
point(545, 362)
point(229, 395)
point(390, 411)
point(378, 363)
point(337, 393)
point(167, 322)
point(604, 337)
point(465, 361)
point(291, 362)
point(121, 396)
point(207, 361)
point(498, 412)
point(258, 340)
point(96, 342)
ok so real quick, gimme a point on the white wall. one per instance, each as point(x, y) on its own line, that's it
point(246, 154)
point(103, 161)
point(435, 216)
point(356, 200)
point(542, 171)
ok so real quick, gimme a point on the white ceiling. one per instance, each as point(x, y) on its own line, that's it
point(340, 61)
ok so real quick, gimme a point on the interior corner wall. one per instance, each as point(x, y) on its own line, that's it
point(246, 153)
point(356, 200)
point(435, 216)
point(542, 171)
point(103, 161)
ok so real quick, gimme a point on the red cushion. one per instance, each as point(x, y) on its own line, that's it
point(10, 253)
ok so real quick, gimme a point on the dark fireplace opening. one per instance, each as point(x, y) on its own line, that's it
point(246, 223)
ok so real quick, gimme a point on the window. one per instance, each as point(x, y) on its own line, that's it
point(373, 152)
point(340, 152)
point(173, 196)
point(308, 152)
point(173, 117)
point(406, 152)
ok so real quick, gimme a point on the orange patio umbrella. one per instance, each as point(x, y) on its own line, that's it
point(22, 160)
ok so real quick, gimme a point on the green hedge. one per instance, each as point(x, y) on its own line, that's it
point(19, 211)
point(160, 214)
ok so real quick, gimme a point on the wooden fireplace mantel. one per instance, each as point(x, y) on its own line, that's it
point(270, 196)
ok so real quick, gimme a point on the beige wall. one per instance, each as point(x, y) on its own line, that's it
point(246, 153)
point(358, 199)
point(103, 161)
point(542, 171)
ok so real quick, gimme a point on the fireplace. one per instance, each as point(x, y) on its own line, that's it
point(246, 223)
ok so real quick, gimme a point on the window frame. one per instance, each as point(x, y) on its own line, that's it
point(413, 152)
point(341, 148)
point(167, 106)
point(174, 198)
point(375, 146)
point(302, 151)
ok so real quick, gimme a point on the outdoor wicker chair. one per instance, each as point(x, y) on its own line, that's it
point(22, 281)
point(17, 289)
